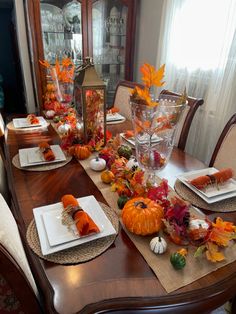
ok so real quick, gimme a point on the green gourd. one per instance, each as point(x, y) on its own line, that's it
point(124, 151)
point(121, 201)
point(177, 260)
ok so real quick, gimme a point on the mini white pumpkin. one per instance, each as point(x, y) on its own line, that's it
point(198, 223)
point(50, 114)
point(198, 229)
point(158, 245)
point(64, 128)
point(132, 163)
point(97, 164)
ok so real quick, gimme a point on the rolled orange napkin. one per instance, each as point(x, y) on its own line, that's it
point(32, 119)
point(216, 178)
point(84, 223)
point(47, 152)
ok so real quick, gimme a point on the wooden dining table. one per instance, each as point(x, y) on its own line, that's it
point(119, 280)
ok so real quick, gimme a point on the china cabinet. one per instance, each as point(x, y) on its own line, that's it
point(101, 29)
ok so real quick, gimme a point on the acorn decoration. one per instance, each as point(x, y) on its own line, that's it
point(178, 259)
point(125, 151)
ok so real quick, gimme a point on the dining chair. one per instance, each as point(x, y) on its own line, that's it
point(184, 125)
point(2, 138)
point(122, 97)
point(14, 267)
point(225, 150)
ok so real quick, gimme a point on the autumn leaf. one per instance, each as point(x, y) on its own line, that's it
point(222, 232)
point(151, 76)
point(213, 254)
point(45, 63)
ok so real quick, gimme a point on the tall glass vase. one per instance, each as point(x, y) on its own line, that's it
point(154, 129)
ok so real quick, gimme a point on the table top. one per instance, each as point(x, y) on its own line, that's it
point(119, 279)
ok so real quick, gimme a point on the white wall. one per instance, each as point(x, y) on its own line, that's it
point(24, 55)
point(147, 34)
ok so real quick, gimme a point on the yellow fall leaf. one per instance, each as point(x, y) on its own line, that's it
point(213, 254)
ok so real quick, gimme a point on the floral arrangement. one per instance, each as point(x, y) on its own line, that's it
point(59, 86)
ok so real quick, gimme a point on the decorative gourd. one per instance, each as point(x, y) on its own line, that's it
point(158, 245)
point(50, 114)
point(107, 176)
point(198, 229)
point(81, 152)
point(122, 200)
point(142, 216)
point(132, 163)
point(64, 128)
point(97, 164)
point(125, 151)
point(178, 259)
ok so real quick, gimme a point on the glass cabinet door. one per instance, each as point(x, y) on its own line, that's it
point(109, 24)
point(61, 24)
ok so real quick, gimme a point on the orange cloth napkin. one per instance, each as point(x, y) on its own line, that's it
point(47, 152)
point(215, 178)
point(84, 223)
point(32, 119)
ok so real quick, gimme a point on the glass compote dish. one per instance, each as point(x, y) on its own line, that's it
point(154, 129)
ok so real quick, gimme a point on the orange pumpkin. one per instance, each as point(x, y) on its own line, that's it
point(107, 176)
point(142, 216)
point(81, 152)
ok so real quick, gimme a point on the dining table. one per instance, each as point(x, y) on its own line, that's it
point(119, 280)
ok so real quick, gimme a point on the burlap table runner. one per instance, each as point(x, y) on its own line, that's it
point(44, 167)
point(11, 127)
point(170, 279)
point(224, 206)
point(77, 254)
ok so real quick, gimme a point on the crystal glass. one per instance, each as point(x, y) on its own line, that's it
point(154, 129)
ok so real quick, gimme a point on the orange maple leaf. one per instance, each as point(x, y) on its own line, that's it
point(213, 254)
point(222, 232)
point(151, 76)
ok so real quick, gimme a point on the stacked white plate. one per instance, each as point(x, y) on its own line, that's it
point(212, 193)
point(21, 123)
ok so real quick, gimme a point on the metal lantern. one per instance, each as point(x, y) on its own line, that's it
point(90, 102)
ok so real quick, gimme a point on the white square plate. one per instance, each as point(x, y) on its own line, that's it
point(212, 194)
point(131, 140)
point(90, 205)
point(32, 156)
point(114, 117)
point(24, 123)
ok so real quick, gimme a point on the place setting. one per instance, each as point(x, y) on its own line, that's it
point(73, 230)
point(29, 123)
point(41, 158)
point(114, 117)
point(209, 189)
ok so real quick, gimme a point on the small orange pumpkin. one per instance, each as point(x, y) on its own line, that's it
point(81, 152)
point(107, 176)
point(142, 216)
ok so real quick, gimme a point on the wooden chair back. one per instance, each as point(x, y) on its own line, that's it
point(122, 97)
point(186, 119)
point(225, 150)
point(14, 265)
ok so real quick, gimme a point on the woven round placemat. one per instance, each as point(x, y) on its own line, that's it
point(227, 205)
point(80, 253)
point(11, 127)
point(16, 163)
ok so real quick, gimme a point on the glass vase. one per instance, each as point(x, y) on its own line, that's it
point(155, 129)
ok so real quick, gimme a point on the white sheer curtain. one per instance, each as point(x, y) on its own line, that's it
point(198, 46)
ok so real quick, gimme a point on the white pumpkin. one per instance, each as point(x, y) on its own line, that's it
point(64, 128)
point(198, 229)
point(158, 245)
point(132, 163)
point(198, 223)
point(97, 164)
point(50, 114)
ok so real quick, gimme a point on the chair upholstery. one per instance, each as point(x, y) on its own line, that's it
point(13, 262)
point(122, 97)
point(186, 118)
point(225, 150)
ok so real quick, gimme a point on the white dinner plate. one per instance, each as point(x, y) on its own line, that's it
point(20, 123)
point(114, 118)
point(58, 233)
point(32, 156)
point(91, 206)
point(212, 193)
point(131, 140)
